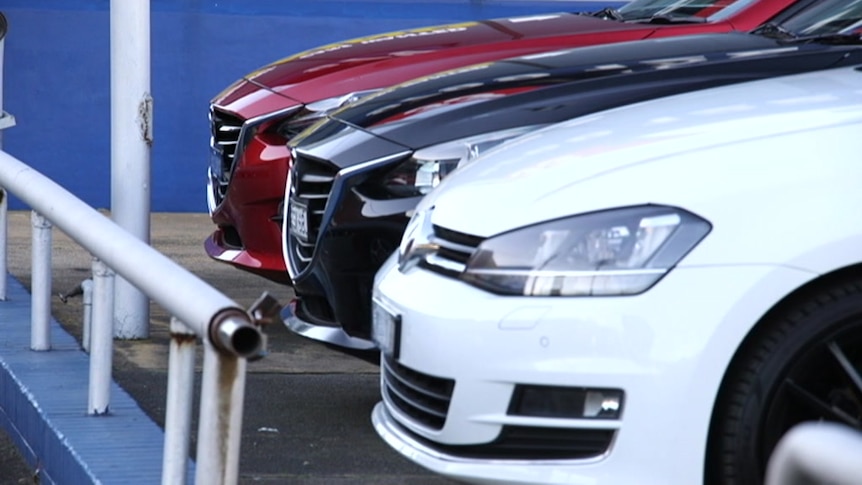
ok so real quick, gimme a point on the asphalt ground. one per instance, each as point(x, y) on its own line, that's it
point(307, 407)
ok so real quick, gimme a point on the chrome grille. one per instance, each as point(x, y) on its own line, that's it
point(454, 250)
point(422, 397)
point(224, 136)
point(311, 183)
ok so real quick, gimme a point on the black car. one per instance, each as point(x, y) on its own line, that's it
point(357, 175)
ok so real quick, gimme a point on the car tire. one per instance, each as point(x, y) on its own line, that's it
point(803, 364)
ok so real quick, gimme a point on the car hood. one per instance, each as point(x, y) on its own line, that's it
point(368, 62)
point(249, 101)
point(632, 155)
point(553, 87)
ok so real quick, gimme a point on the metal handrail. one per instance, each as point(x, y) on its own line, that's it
point(202, 308)
point(230, 334)
point(817, 453)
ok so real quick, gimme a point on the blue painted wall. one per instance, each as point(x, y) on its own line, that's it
point(57, 74)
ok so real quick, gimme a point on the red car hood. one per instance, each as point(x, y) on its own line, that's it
point(381, 60)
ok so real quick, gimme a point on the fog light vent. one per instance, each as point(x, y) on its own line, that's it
point(566, 402)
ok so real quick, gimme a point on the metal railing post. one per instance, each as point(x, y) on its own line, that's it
point(6, 121)
point(4, 227)
point(220, 422)
point(40, 329)
point(87, 296)
point(101, 339)
point(178, 413)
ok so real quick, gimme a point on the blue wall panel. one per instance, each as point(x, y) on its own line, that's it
point(57, 74)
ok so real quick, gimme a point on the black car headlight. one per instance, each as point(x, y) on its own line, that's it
point(428, 166)
point(616, 252)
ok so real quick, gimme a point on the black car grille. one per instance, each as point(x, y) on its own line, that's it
point(422, 397)
point(311, 183)
point(224, 137)
point(532, 443)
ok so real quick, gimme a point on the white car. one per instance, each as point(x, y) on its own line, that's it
point(651, 295)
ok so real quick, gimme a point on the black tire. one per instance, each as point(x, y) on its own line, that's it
point(804, 365)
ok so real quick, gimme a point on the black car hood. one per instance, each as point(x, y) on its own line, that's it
point(552, 87)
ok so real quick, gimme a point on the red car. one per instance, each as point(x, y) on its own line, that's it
point(254, 118)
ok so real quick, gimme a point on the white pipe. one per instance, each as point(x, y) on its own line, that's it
point(188, 297)
point(40, 282)
point(817, 453)
point(220, 424)
point(131, 141)
point(87, 294)
point(101, 339)
point(178, 413)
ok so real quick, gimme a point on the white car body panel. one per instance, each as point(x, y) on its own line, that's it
point(771, 165)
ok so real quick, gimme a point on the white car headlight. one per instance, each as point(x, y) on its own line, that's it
point(428, 166)
point(616, 252)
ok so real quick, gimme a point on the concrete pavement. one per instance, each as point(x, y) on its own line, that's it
point(307, 406)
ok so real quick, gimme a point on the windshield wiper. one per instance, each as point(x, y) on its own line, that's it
point(606, 13)
point(835, 39)
point(775, 31)
point(672, 18)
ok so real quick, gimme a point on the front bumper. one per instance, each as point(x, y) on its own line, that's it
point(330, 334)
point(245, 188)
point(249, 214)
point(666, 349)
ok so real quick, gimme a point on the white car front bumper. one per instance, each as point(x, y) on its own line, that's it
point(667, 350)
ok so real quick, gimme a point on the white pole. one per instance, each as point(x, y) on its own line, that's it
point(220, 418)
point(131, 141)
point(101, 339)
point(40, 282)
point(4, 204)
point(178, 409)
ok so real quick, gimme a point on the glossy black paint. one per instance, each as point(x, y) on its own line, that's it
point(360, 228)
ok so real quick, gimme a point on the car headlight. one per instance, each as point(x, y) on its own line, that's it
point(616, 252)
point(313, 112)
point(428, 166)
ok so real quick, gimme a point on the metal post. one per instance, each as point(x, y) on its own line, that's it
point(101, 339)
point(131, 141)
point(5, 122)
point(178, 414)
point(87, 292)
point(40, 314)
point(220, 425)
point(4, 217)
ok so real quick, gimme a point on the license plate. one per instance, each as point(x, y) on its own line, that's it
point(298, 219)
point(385, 328)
